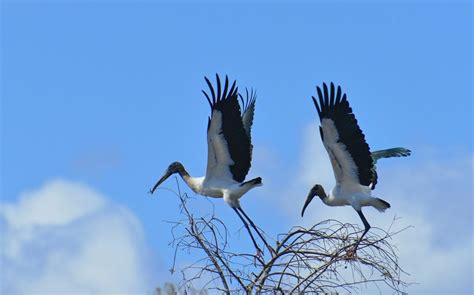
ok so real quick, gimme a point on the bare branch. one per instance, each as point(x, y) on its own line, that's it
point(315, 259)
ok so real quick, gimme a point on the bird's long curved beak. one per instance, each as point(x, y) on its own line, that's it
point(309, 198)
point(163, 178)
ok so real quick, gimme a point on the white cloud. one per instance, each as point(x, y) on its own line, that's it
point(430, 194)
point(65, 237)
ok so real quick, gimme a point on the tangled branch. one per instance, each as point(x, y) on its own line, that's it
point(314, 259)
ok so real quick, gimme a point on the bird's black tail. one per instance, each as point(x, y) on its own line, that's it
point(380, 204)
point(254, 181)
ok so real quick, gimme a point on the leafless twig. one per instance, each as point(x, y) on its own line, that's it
point(315, 259)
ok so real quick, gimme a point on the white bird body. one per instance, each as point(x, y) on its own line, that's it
point(356, 196)
point(230, 190)
point(345, 195)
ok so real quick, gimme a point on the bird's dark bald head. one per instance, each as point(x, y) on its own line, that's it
point(318, 190)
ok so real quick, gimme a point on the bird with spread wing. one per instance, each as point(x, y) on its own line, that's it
point(352, 162)
point(229, 152)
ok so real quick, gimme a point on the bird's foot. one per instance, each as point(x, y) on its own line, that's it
point(351, 253)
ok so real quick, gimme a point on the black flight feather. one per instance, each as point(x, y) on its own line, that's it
point(332, 106)
point(232, 128)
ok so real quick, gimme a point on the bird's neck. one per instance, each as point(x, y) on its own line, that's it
point(192, 182)
point(322, 194)
point(183, 173)
point(327, 199)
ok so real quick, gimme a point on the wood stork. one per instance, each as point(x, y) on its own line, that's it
point(353, 163)
point(229, 152)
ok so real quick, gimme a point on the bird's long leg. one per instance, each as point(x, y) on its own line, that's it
point(259, 251)
point(366, 225)
point(256, 229)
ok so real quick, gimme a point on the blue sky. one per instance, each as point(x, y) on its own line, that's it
point(106, 94)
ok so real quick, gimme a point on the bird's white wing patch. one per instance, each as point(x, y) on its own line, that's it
point(345, 169)
point(218, 156)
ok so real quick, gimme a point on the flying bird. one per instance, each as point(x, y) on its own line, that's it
point(352, 162)
point(229, 152)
